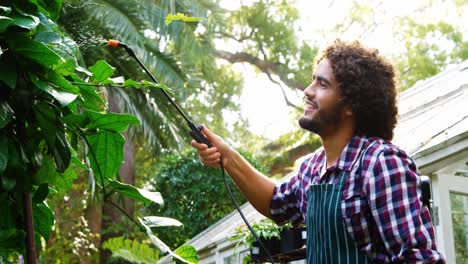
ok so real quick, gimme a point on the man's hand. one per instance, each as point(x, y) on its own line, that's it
point(211, 157)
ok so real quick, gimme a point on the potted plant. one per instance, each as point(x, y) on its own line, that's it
point(269, 234)
point(292, 238)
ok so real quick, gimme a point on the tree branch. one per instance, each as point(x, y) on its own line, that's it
point(286, 99)
point(265, 66)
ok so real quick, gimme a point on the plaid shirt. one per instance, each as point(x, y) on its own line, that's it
point(381, 203)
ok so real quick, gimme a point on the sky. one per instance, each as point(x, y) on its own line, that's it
point(262, 102)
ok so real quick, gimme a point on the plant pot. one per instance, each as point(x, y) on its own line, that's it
point(272, 245)
point(292, 239)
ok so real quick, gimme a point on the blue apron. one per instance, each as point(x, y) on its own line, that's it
point(328, 240)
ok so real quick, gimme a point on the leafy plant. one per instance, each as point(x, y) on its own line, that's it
point(52, 119)
point(195, 194)
point(265, 228)
point(131, 250)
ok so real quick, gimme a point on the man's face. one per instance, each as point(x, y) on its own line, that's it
point(323, 110)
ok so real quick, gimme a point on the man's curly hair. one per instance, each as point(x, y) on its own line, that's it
point(366, 82)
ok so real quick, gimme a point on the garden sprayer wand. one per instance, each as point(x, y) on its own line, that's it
point(197, 135)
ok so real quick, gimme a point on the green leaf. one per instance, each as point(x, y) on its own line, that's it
point(101, 71)
point(46, 173)
point(161, 245)
point(35, 51)
point(5, 10)
point(131, 251)
point(6, 114)
point(181, 17)
point(8, 74)
point(155, 85)
point(41, 193)
point(64, 182)
point(48, 37)
point(53, 7)
point(5, 22)
point(76, 120)
point(64, 98)
point(135, 193)
point(187, 252)
point(9, 208)
point(131, 83)
point(61, 82)
point(61, 152)
point(107, 148)
point(12, 239)
point(43, 218)
point(8, 183)
point(157, 221)
point(3, 154)
point(47, 120)
point(111, 121)
point(155, 240)
point(25, 20)
point(90, 98)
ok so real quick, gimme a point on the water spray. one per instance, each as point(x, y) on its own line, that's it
point(197, 135)
point(195, 130)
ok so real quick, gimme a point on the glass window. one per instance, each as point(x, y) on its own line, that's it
point(459, 206)
point(230, 259)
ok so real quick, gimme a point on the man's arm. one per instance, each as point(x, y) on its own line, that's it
point(253, 184)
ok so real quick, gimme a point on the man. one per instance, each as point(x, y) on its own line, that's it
point(358, 194)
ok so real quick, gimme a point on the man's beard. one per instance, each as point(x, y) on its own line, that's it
point(323, 120)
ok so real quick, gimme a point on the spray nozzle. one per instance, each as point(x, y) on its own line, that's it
point(115, 43)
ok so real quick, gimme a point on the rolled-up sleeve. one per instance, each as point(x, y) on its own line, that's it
point(394, 195)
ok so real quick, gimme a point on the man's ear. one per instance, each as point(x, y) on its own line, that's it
point(348, 111)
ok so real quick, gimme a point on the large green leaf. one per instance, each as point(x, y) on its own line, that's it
point(43, 218)
point(107, 148)
point(41, 193)
point(111, 121)
point(35, 51)
point(64, 98)
point(138, 194)
point(46, 173)
point(76, 120)
point(101, 71)
point(90, 98)
point(61, 82)
point(47, 120)
point(5, 22)
point(61, 151)
point(64, 181)
point(157, 221)
point(48, 37)
point(6, 114)
point(24, 20)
